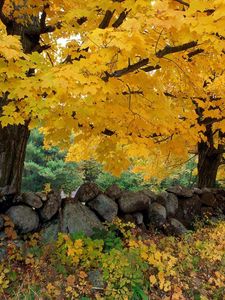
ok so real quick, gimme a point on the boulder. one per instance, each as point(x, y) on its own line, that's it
point(169, 201)
point(162, 198)
point(51, 206)
point(1, 223)
point(96, 279)
point(87, 192)
point(42, 195)
point(188, 210)
point(32, 200)
point(133, 202)
point(114, 192)
point(180, 191)
point(50, 232)
point(220, 198)
point(175, 227)
point(150, 194)
point(104, 207)
point(197, 191)
point(79, 218)
point(24, 218)
point(157, 214)
point(208, 199)
point(3, 253)
point(139, 218)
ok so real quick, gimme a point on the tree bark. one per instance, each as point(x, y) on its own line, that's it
point(208, 163)
point(13, 138)
point(13, 141)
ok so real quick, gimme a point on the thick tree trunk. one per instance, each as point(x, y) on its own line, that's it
point(208, 164)
point(13, 141)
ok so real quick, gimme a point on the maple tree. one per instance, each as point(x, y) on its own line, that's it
point(129, 79)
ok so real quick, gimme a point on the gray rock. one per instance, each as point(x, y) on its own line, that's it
point(1, 223)
point(205, 189)
point(157, 214)
point(175, 227)
point(133, 202)
point(188, 210)
point(32, 199)
point(79, 218)
point(180, 191)
point(42, 196)
point(96, 279)
point(105, 207)
point(114, 192)
point(50, 232)
point(139, 218)
point(150, 194)
point(221, 201)
point(169, 201)
point(197, 191)
point(3, 236)
point(161, 198)
point(87, 192)
point(24, 218)
point(51, 206)
point(3, 253)
point(209, 199)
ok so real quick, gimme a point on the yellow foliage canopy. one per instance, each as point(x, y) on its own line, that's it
point(128, 79)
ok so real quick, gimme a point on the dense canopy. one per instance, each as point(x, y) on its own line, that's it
point(121, 81)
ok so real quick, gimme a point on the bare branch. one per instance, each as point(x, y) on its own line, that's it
point(195, 52)
point(182, 2)
point(151, 68)
point(107, 18)
point(43, 27)
point(121, 18)
point(124, 71)
point(173, 49)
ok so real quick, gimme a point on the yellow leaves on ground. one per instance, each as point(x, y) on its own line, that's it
point(126, 265)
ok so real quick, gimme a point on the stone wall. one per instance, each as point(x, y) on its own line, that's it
point(172, 211)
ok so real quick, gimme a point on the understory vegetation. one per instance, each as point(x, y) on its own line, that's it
point(119, 262)
point(48, 166)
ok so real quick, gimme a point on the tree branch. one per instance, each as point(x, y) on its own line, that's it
point(43, 27)
point(151, 68)
point(182, 2)
point(173, 49)
point(124, 71)
point(195, 52)
point(3, 18)
point(106, 20)
point(121, 18)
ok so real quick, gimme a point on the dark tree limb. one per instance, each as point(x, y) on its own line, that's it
point(107, 18)
point(182, 2)
point(127, 70)
point(173, 49)
point(151, 68)
point(195, 52)
point(121, 18)
point(43, 27)
point(3, 18)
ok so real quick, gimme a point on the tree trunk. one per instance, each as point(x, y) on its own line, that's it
point(13, 138)
point(13, 141)
point(208, 164)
